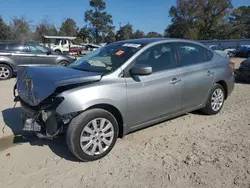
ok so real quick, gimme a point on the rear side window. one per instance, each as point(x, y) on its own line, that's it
point(17, 47)
point(2, 47)
point(191, 54)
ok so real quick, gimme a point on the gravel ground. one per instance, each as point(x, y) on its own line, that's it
point(193, 150)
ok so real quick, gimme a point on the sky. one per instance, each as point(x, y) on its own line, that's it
point(146, 15)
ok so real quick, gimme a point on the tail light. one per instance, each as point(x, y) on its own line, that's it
point(232, 65)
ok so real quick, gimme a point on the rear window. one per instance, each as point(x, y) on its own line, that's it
point(17, 47)
point(2, 47)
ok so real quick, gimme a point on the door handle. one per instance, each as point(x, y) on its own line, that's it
point(209, 73)
point(175, 81)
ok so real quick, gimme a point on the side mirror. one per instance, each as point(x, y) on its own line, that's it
point(48, 52)
point(141, 70)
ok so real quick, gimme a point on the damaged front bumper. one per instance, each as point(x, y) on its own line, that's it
point(45, 122)
point(43, 119)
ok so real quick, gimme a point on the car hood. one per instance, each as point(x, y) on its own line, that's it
point(34, 84)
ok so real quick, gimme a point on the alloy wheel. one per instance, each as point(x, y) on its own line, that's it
point(97, 136)
point(4, 72)
point(64, 63)
point(217, 99)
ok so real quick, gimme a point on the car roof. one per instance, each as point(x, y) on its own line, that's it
point(146, 41)
point(59, 37)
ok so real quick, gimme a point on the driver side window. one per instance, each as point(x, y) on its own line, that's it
point(160, 57)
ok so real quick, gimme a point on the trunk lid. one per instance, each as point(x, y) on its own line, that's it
point(34, 84)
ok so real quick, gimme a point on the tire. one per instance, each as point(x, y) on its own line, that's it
point(209, 109)
point(81, 124)
point(5, 72)
point(64, 63)
point(58, 52)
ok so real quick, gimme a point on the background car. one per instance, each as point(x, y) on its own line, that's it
point(14, 54)
point(230, 51)
point(219, 50)
point(242, 74)
point(120, 88)
point(243, 51)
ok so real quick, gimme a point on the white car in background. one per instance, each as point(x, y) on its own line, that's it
point(219, 50)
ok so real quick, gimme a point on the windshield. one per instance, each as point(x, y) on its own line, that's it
point(107, 58)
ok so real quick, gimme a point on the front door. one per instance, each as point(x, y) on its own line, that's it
point(65, 45)
point(197, 75)
point(159, 94)
point(40, 56)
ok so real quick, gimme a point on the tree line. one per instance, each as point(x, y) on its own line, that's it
point(190, 19)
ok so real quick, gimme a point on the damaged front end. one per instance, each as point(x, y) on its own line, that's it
point(38, 96)
point(42, 119)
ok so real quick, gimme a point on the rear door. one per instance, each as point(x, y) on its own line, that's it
point(19, 53)
point(197, 74)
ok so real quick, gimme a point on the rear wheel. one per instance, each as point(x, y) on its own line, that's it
point(215, 101)
point(92, 134)
point(5, 72)
point(64, 63)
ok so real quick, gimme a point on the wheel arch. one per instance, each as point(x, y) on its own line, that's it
point(224, 85)
point(57, 50)
point(115, 112)
point(8, 64)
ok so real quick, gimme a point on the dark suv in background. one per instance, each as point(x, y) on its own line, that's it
point(14, 54)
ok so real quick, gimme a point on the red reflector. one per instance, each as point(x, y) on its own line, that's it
point(231, 64)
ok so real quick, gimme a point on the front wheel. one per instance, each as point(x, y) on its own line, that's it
point(215, 101)
point(64, 63)
point(92, 134)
